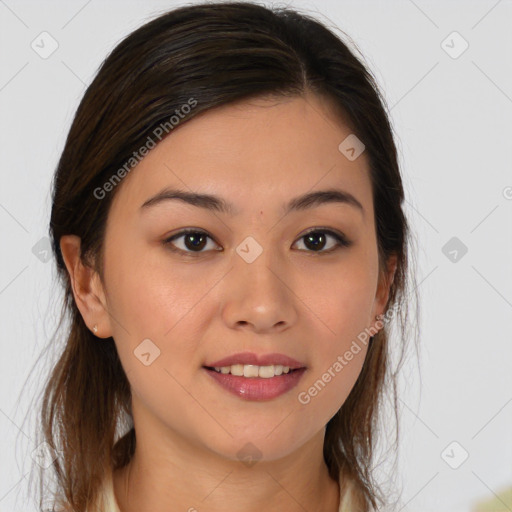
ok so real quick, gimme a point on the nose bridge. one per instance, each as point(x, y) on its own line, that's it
point(257, 265)
point(257, 292)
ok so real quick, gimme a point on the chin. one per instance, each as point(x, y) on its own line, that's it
point(253, 445)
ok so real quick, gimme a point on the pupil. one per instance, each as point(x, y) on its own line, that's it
point(310, 239)
point(197, 240)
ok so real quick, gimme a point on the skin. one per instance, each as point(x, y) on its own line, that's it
point(307, 304)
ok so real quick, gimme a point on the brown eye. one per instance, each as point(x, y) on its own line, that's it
point(316, 240)
point(194, 241)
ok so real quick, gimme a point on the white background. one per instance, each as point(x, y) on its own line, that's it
point(453, 120)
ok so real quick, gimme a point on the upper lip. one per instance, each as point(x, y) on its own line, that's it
point(257, 360)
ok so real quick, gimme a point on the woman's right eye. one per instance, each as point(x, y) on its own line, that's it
point(193, 242)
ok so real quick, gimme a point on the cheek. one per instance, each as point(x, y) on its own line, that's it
point(339, 300)
point(162, 398)
point(149, 292)
point(340, 308)
point(155, 303)
point(331, 381)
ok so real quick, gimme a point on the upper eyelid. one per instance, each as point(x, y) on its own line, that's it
point(186, 231)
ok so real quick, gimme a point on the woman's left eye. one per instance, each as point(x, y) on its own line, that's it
point(195, 240)
point(317, 238)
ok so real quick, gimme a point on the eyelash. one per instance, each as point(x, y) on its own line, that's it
point(342, 241)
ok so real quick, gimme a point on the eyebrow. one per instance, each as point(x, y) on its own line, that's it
point(215, 203)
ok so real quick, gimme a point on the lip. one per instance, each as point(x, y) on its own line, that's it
point(257, 360)
point(257, 388)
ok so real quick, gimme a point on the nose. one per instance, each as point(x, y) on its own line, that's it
point(258, 295)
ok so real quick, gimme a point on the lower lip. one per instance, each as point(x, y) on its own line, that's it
point(257, 388)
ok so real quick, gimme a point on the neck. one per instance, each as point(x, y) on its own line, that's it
point(174, 475)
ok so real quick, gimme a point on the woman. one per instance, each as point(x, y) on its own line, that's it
point(227, 222)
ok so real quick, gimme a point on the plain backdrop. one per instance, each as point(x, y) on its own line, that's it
point(445, 71)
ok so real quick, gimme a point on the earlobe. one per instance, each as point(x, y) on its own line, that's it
point(385, 282)
point(87, 288)
point(392, 266)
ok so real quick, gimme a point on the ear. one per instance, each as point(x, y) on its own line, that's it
point(386, 279)
point(87, 287)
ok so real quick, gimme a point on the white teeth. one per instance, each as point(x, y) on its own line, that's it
point(266, 371)
point(237, 369)
point(251, 370)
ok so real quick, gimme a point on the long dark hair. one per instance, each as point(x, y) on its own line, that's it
point(215, 54)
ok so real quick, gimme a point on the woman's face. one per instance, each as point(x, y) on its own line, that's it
point(253, 283)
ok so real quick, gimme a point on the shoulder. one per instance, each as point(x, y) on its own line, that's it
point(105, 500)
point(60, 507)
point(350, 499)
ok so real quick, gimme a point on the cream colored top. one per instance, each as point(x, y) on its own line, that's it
point(107, 500)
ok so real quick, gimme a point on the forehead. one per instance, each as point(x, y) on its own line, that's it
point(253, 153)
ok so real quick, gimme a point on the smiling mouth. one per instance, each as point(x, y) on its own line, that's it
point(256, 383)
point(253, 371)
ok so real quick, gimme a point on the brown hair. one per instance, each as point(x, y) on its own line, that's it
point(216, 53)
